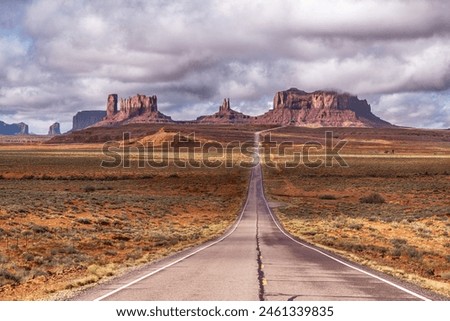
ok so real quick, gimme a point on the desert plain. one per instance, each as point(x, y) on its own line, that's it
point(67, 222)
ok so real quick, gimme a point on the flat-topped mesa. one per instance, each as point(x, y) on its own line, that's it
point(299, 99)
point(88, 118)
point(138, 104)
point(13, 129)
point(320, 109)
point(288, 99)
point(136, 109)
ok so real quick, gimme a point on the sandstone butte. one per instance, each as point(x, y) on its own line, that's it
point(133, 110)
point(13, 129)
point(54, 129)
point(87, 118)
point(320, 109)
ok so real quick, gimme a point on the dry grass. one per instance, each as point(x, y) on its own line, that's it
point(395, 215)
point(389, 209)
point(373, 198)
point(67, 223)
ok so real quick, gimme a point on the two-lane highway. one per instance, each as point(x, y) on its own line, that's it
point(225, 269)
point(255, 260)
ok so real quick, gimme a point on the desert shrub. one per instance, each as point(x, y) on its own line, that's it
point(39, 260)
point(39, 229)
point(28, 256)
point(356, 226)
point(104, 188)
point(104, 222)
point(89, 189)
point(36, 273)
point(413, 252)
point(397, 252)
point(68, 249)
point(352, 247)
point(159, 239)
point(136, 254)
point(121, 237)
point(373, 198)
point(108, 243)
point(430, 271)
point(82, 282)
point(8, 276)
point(110, 253)
point(327, 197)
point(84, 221)
point(398, 242)
point(101, 271)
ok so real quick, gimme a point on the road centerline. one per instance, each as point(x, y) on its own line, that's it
point(202, 248)
point(309, 247)
point(256, 259)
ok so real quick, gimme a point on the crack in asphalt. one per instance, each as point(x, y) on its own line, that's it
point(261, 277)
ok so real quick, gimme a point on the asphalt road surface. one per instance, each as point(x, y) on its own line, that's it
point(255, 260)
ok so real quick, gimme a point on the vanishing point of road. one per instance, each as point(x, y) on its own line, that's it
point(255, 260)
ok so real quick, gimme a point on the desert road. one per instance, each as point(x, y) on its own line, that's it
point(254, 260)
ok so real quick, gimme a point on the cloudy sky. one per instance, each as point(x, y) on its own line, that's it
point(60, 57)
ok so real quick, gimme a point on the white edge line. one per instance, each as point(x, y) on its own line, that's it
point(335, 259)
point(184, 257)
point(282, 231)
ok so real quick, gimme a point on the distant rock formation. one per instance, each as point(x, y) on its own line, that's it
point(111, 106)
point(54, 129)
point(225, 106)
point(225, 115)
point(290, 107)
point(87, 118)
point(320, 109)
point(133, 110)
point(13, 129)
point(138, 105)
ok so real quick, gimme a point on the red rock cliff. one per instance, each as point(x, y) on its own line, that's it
point(320, 109)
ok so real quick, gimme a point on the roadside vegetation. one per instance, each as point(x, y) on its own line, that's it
point(66, 223)
point(392, 214)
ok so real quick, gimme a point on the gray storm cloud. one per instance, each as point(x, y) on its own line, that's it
point(57, 58)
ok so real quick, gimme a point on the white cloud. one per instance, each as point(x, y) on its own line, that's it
point(62, 57)
point(421, 109)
